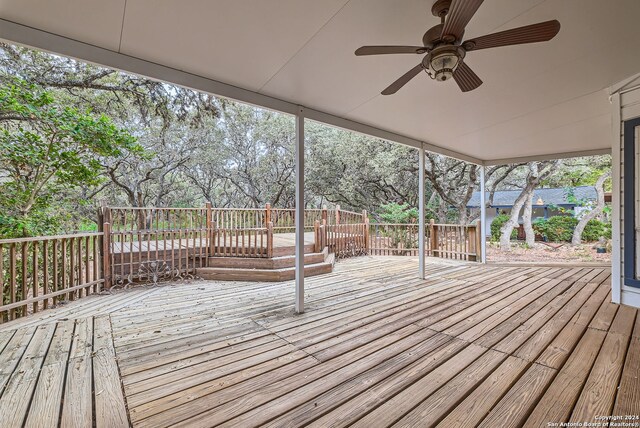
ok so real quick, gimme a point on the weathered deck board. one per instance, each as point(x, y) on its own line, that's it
point(45, 407)
point(471, 345)
point(110, 409)
point(14, 403)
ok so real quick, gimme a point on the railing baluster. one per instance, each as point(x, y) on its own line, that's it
point(35, 276)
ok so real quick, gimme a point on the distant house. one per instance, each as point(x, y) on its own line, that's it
point(546, 202)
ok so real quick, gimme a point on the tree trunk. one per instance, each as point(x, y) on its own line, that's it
point(530, 236)
point(595, 212)
point(535, 176)
point(509, 225)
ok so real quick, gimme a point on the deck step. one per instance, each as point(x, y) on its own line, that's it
point(264, 263)
point(291, 250)
point(280, 251)
point(269, 275)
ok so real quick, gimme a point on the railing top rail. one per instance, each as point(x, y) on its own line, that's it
point(228, 209)
point(306, 209)
point(49, 238)
point(243, 228)
point(158, 208)
point(156, 231)
point(240, 209)
point(349, 212)
point(454, 224)
point(393, 224)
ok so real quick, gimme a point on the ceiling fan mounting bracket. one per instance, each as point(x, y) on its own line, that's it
point(432, 36)
point(440, 8)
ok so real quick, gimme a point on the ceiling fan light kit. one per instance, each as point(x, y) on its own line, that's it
point(445, 50)
point(441, 63)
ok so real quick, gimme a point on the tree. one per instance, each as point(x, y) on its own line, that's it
point(537, 172)
point(454, 181)
point(46, 149)
point(530, 235)
point(359, 172)
point(595, 211)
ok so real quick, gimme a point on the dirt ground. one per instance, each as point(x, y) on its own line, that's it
point(545, 253)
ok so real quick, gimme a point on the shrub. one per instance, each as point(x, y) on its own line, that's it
point(399, 213)
point(496, 225)
point(596, 229)
point(540, 226)
point(558, 228)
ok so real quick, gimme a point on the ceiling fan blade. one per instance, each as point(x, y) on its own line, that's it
point(541, 32)
point(459, 15)
point(403, 80)
point(382, 50)
point(466, 79)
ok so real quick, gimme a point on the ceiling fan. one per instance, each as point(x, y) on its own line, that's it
point(446, 51)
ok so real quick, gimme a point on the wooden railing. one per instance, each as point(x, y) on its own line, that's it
point(239, 218)
point(249, 242)
point(143, 219)
point(455, 241)
point(394, 239)
point(151, 244)
point(36, 273)
point(347, 240)
point(459, 242)
point(447, 241)
point(283, 219)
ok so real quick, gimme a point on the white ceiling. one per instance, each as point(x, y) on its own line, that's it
point(536, 99)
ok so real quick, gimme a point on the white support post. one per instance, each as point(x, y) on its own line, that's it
point(616, 200)
point(483, 217)
point(421, 212)
point(299, 216)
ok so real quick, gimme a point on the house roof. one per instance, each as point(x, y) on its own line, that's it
point(537, 100)
point(552, 196)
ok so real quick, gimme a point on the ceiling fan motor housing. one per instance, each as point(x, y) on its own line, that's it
point(442, 62)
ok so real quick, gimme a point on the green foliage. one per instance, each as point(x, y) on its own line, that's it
point(558, 228)
point(595, 229)
point(45, 150)
point(539, 226)
point(496, 225)
point(401, 237)
point(398, 213)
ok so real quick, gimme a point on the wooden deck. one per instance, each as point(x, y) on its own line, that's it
point(472, 345)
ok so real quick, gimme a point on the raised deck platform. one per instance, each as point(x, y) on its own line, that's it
point(280, 267)
point(469, 346)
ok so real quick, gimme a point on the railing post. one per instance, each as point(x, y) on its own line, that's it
point(209, 232)
point(316, 236)
point(106, 255)
point(479, 232)
point(325, 234)
point(433, 232)
point(270, 240)
point(337, 214)
point(366, 234)
point(267, 214)
point(471, 236)
point(324, 213)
